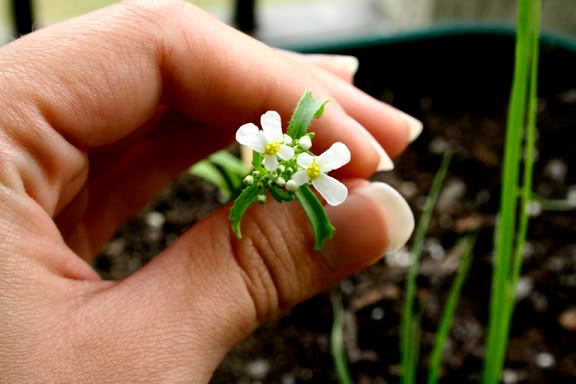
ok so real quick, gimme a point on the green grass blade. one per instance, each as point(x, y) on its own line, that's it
point(414, 351)
point(530, 146)
point(337, 340)
point(526, 190)
point(450, 310)
point(507, 216)
point(408, 357)
point(509, 255)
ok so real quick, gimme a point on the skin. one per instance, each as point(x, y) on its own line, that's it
point(99, 113)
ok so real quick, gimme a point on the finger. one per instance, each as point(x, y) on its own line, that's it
point(400, 128)
point(155, 51)
point(235, 285)
point(392, 137)
point(343, 66)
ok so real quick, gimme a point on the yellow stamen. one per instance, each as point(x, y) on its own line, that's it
point(272, 148)
point(313, 170)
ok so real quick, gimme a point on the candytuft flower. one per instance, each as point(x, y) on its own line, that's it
point(285, 168)
point(314, 170)
point(270, 141)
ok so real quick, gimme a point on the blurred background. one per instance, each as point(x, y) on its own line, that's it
point(294, 22)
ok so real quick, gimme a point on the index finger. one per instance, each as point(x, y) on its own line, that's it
point(114, 67)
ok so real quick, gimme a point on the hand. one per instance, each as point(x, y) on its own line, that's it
point(99, 113)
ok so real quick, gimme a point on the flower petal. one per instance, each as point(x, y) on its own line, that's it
point(270, 163)
point(305, 142)
point(333, 191)
point(301, 177)
point(335, 157)
point(250, 136)
point(304, 159)
point(272, 126)
point(286, 152)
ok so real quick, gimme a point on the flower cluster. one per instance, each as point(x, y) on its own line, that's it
point(287, 163)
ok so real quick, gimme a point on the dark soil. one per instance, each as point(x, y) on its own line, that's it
point(467, 117)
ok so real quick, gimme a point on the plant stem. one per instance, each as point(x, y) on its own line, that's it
point(408, 349)
point(337, 340)
point(508, 257)
point(449, 310)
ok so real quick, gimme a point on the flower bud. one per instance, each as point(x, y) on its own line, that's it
point(291, 186)
point(261, 199)
point(287, 139)
point(256, 173)
point(281, 168)
point(249, 180)
point(305, 142)
point(281, 182)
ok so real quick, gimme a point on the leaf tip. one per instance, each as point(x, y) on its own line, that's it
point(320, 110)
point(235, 225)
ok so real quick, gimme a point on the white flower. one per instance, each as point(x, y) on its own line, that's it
point(305, 142)
point(291, 186)
point(314, 169)
point(269, 141)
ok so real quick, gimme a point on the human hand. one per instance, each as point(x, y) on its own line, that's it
point(99, 113)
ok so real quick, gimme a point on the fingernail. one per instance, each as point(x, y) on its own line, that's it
point(348, 64)
point(397, 214)
point(385, 163)
point(414, 125)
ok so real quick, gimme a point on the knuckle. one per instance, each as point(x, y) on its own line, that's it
point(154, 10)
point(158, 20)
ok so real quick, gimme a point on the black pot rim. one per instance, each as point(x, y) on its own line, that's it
point(558, 40)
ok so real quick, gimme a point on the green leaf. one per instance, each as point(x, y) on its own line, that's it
point(241, 205)
point(208, 171)
point(230, 163)
point(224, 170)
point(232, 170)
point(512, 226)
point(280, 195)
point(257, 160)
point(307, 109)
point(317, 216)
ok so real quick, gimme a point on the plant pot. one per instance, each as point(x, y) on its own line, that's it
point(458, 83)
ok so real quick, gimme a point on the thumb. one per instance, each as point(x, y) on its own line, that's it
point(211, 289)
